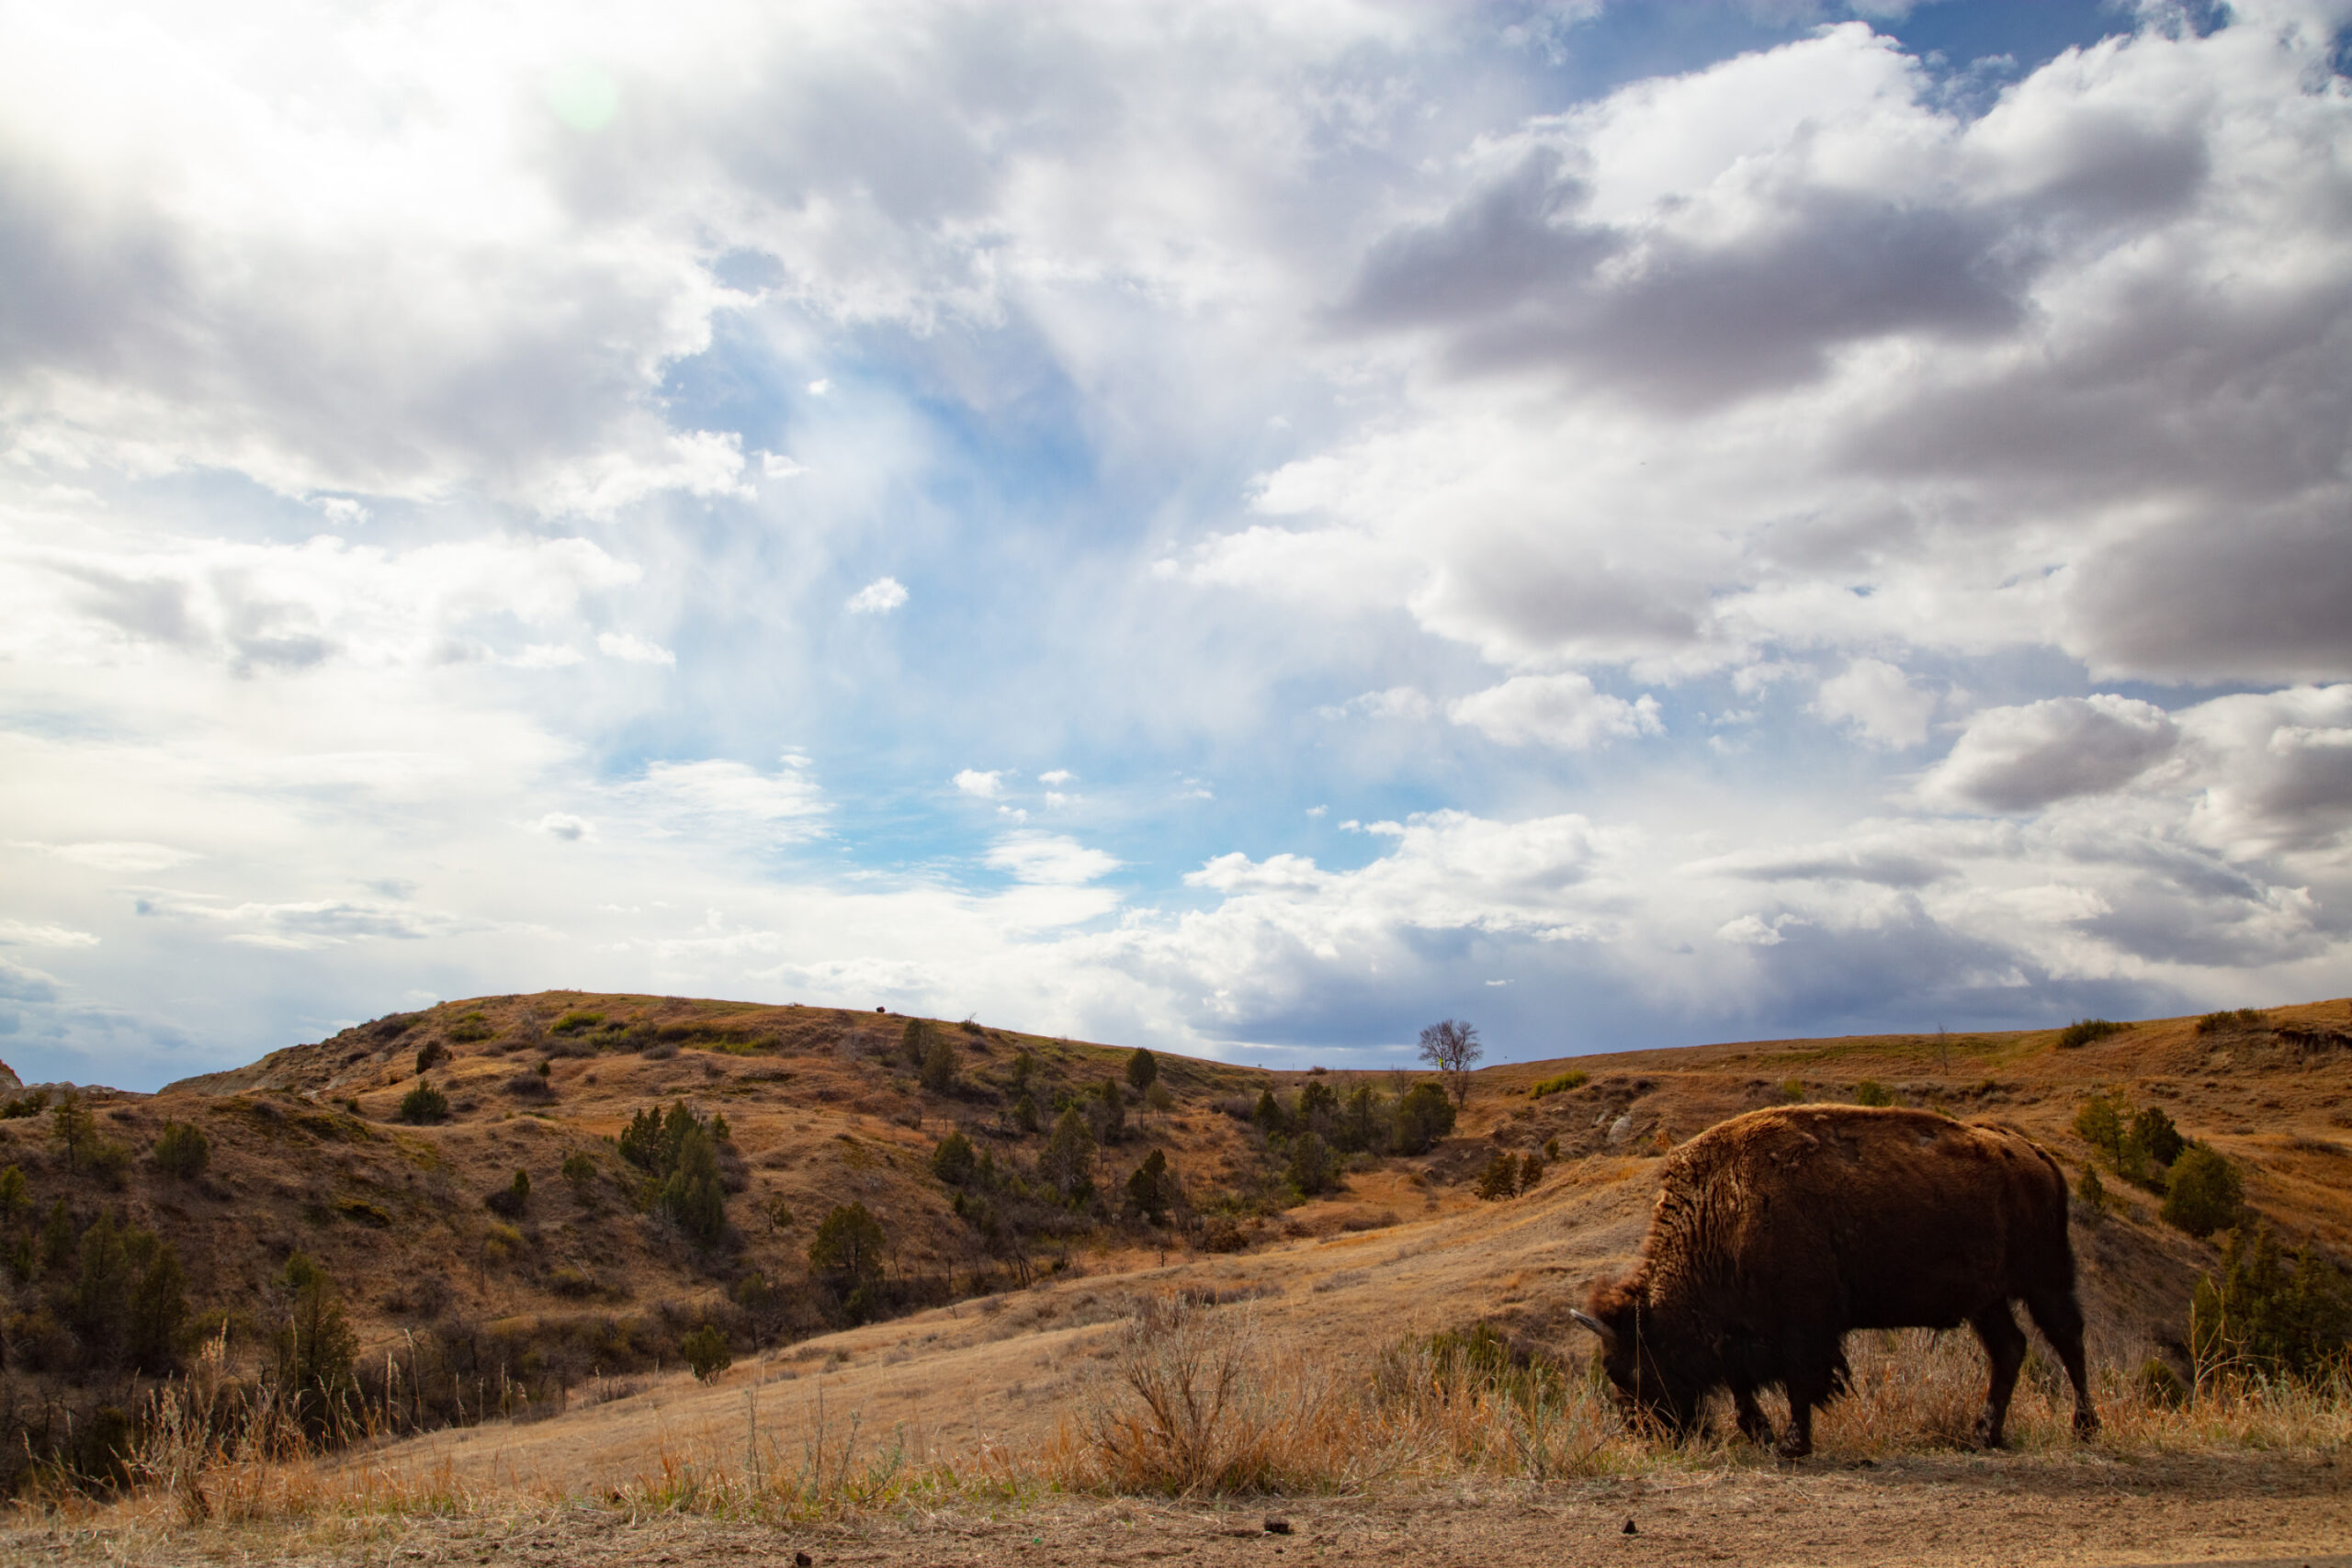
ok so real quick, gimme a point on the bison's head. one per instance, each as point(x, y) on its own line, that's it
point(1652, 1388)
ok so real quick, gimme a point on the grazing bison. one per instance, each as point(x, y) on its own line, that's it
point(1780, 1230)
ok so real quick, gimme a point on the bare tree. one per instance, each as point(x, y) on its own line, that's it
point(1453, 1048)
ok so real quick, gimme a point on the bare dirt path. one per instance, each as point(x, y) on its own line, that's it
point(1957, 1510)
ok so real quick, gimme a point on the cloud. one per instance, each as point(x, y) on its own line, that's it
point(1056, 777)
point(1878, 700)
point(878, 597)
point(30, 934)
point(563, 825)
point(631, 648)
point(1396, 701)
point(1049, 859)
point(724, 793)
point(1555, 710)
point(986, 785)
point(2024, 758)
point(104, 856)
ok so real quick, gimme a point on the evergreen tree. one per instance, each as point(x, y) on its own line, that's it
point(314, 1347)
point(694, 1196)
point(849, 1247)
point(158, 1304)
point(1310, 1167)
point(1143, 1070)
point(1106, 1114)
point(940, 1066)
point(98, 1306)
point(1423, 1115)
point(1068, 1162)
point(182, 1150)
point(953, 1161)
point(1151, 1189)
point(73, 1128)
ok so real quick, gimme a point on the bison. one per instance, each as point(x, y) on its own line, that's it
point(1779, 1231)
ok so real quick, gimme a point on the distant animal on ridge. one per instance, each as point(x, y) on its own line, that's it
point(1780, 1231)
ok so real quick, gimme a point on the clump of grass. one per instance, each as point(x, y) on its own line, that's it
point(1573, 1078)
point(2083, 1030)
point(2214, 1022)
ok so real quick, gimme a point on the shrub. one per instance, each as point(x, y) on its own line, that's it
point(111, 1163)
point(16, 1197)
point(1560, 1084)
point(1024, 1113)
point(707, 1353)
point(1870, 1092)
point(1501, 1178)
point(1792, 1091)
point(2098, 1122)
point(182, 1150)
point(2092, 1190)
point(2161, 1388)
point(2083, 1030)
point(848, 1247)
point(23, 1106)
point(2205, 1194)
point(2262, 1317)
point(575, 1022)
point(2214, 1022)
point(1424, 1114)
point(1311, 1169)
point(430, 1054)
point(471, 1027)
point(1531, 1171)
point(423, 1104)
point(942, 1065)
point(513, 1199)
point(953, 1161)
point(580, 1171)
point(1269, 1116)
point(529, 1086)
point(2153, 1131)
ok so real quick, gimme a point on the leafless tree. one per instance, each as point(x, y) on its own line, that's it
point(1452, 1047)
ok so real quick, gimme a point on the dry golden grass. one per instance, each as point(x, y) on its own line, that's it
point(1192, 1401)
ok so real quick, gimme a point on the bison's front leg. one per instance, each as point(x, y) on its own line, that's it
point(2005, 1347)
point(1754, 1424)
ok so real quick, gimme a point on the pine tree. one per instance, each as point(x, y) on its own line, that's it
point(1068, 1162)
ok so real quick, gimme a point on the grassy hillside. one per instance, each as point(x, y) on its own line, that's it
point(541, 1307)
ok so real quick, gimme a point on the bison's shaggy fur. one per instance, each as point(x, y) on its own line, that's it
point(1781, 1230)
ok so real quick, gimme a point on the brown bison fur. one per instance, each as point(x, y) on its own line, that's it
point(1779, 1231)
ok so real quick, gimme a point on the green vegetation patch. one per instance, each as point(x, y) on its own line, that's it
point(361, 1211)
point(1560, 1084)
point(575, 1022)
point(2083, 1030)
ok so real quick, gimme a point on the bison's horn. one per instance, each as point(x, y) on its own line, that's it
point(1593, 1322)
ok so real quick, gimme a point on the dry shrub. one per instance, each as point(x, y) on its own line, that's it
point(1201, 1401)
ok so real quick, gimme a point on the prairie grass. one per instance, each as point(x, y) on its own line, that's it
point(1193, 1400)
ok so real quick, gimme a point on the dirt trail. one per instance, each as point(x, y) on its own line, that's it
point(1940, 1510)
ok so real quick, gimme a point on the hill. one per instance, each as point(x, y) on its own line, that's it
point(579, 1292)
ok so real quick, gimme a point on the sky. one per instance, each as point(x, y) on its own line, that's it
point(1240, 528)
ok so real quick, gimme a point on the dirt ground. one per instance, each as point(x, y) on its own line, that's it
point(1936, 1509)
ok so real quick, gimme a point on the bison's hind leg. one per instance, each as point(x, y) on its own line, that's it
point(2005, 1347)
point(1754, 1424)
point(2059, 1318)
